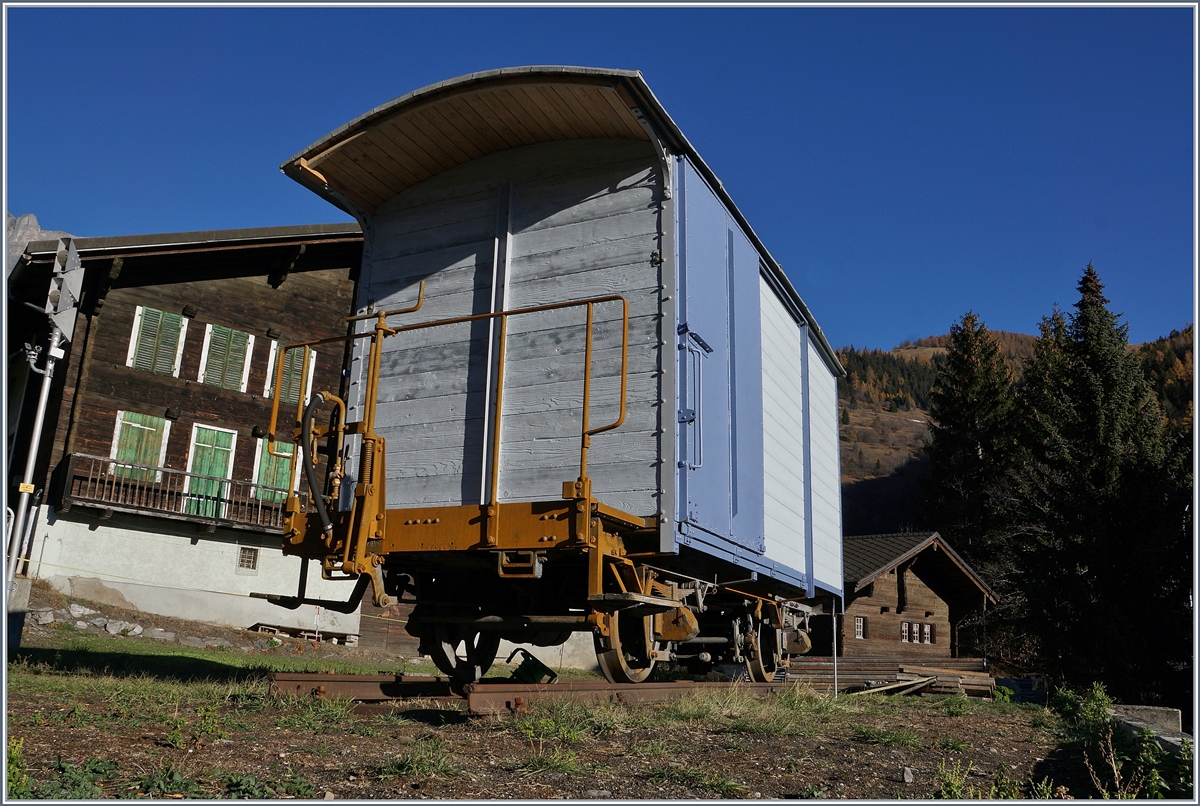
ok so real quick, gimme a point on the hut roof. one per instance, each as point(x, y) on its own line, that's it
point(866, 557)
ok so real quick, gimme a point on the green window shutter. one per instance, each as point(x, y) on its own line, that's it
point(211, 456)
point(147, 340)
point(226, 357)
point(168, 343)
point(235, 361)
point(157, 342)
point(139, 443)
point(273, 471)
point(218, 352)
point(292, 368)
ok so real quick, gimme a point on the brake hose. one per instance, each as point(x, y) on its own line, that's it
point(310, 470)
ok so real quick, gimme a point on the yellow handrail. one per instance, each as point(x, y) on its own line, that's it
point(382, 330)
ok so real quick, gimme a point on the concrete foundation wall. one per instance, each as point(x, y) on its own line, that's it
point(577, 653)
point(169, 569)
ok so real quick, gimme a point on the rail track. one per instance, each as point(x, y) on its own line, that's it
point(387, 693)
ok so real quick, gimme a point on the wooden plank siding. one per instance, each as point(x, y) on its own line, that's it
point(883, 617)
point(584, 220)
point(308, 305)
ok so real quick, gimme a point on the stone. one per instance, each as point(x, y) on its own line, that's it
point(908, 775)
point(189, 640)
point(329, 795)
point(598, 794)
point(43, 616)
point(161, 635)
point(79, 611)
point(82, 625)
point(116, 627)
point(210, 641)
point(99, 621)
point(136, 629)
point(262, 645)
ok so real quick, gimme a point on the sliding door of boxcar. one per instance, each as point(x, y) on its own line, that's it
point(720, 399)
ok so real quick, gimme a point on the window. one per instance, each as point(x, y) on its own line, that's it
point(860, 627)
point(272, 472)
point(904, 631)
point(139, 443)
point(225, 359)
point(156, 344)
point(211, 459)
point(292, 369)
point(247, 558)
point(927, 633)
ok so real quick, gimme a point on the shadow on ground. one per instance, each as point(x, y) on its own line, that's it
point(176, 668)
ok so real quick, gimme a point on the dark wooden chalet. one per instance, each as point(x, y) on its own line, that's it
point(905, 595)
point(166, 385)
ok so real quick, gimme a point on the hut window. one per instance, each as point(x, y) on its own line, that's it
point(247, 558)
point(860, 627)
point(929, 634)
point(225, 360)
point(156, 343)
point(904, 631)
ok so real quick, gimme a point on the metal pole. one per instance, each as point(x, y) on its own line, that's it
point(27, 487)
point(835, 633)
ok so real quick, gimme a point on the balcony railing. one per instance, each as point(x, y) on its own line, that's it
point(102, 482)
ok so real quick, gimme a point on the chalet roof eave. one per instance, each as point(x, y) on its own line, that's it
point(934, 538)
point(40, 251)
point(635, 84)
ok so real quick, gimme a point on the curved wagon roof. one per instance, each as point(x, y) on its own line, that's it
point(414, 137)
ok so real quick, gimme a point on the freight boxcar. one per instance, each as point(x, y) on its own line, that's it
point(582, 394)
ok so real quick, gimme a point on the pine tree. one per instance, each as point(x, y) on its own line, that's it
point(1098, 509)
point(971, 441)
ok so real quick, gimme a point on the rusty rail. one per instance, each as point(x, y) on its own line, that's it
point(374, 693)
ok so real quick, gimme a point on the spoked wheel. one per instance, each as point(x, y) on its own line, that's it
point(763, 654)
point(463, 653)
point(628, 656)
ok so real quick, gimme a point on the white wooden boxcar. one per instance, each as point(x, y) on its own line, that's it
point(525, 187)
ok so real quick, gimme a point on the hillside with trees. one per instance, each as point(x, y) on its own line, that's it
point(1061, 468)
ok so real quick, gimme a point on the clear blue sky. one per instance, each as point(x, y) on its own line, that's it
point(904, 165)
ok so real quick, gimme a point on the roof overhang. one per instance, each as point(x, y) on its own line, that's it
point(400, 144)
point(176, 257)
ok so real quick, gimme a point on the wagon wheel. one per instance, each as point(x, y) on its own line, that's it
point(763, 654)
point(463, 653)
point(626, 655)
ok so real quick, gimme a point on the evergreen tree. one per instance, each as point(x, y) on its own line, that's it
point(971, 441)
point(1098, 510)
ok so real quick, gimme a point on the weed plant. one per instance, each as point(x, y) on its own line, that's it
point(427, 757)
point(887, 738)
point(697, 779)
point(563, 762)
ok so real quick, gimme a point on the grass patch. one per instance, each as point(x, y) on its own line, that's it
point(316, 715)
point(696, 779)
point(429, 756)
point(887, 738)
point(556, 761)
point(951, 743)
point(957, 705)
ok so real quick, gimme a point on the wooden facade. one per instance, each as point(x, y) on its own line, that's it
point(897, 614)
point(268, 288)
point(905, 595)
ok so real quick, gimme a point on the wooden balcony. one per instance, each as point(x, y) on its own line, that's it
point(111, 486)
